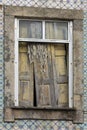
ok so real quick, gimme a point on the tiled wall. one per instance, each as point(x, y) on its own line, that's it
point(85, 60)
point(70, 4)
point(1, 64)
point(40, 124)
point(85, 70)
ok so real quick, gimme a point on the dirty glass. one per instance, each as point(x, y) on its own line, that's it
point(30, 29)
point(56, 30)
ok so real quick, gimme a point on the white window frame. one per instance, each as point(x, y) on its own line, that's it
point(69, 41)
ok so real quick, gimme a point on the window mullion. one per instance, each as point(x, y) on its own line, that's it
point(43, 40)
point(43, 29)
point(16, 61)
point(70, 67)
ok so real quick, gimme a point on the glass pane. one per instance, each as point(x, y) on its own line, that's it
point(30, 29)
point(56, 30)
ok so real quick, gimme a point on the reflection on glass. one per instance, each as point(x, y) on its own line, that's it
point(56, 30)
point(30, 29)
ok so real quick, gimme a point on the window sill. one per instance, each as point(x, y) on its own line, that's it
point(21, 113)
point(44, 108)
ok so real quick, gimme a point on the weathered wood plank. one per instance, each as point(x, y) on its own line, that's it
point(63, 95)
point(44, 96)
point(60, 73)
point(53, 75)
point(26, 85)
point(43, 79)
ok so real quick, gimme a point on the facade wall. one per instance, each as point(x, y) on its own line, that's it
point(85, 70)
point(41, 124)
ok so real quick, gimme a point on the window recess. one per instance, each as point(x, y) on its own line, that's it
point(43, 66)
point(14, 106)
point(43, 75)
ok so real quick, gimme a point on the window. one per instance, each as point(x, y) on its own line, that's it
point(52, 73)
point(43, 69)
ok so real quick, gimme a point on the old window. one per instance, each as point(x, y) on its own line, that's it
point(43, 69)
point(43, 64)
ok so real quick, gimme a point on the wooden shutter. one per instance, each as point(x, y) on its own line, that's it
point(43, 75)
point(43, 78)
point(26, 85)
point(59, 59)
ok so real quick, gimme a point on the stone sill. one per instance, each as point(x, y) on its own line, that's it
point(44, 108)
point(21, 113)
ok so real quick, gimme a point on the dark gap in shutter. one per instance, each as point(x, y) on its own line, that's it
point(35, 102)
point(66, 56)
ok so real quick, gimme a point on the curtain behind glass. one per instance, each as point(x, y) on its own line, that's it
point(30, 29)
point(53, 30)
point(56, 30)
